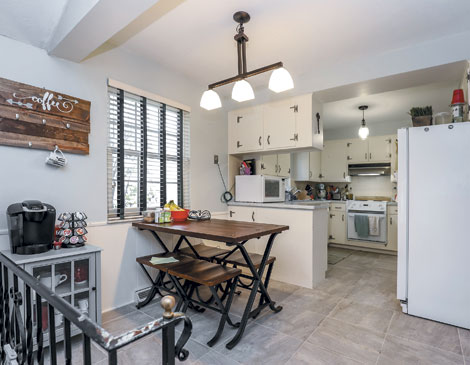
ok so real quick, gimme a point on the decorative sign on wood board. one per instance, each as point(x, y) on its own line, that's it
point(39, 118)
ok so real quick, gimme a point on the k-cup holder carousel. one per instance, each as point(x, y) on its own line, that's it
point(72, 229)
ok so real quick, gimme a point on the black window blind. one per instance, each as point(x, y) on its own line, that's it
point(148, 155)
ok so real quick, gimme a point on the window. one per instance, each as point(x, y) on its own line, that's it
point(148, 155)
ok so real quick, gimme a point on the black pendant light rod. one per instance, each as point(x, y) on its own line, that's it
point(241, 38)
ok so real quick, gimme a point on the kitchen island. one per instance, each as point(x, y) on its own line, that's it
point(301, 252)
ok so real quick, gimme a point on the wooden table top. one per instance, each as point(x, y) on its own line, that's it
point(221, 230)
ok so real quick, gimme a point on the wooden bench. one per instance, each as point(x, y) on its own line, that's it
point(198, 272)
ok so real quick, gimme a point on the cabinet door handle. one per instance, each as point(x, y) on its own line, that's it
point(331, 237)
point(295, 107)
point(391, 220)
point(231, 213)
point(344, 175)
point(390, 155)
point(342, 217)
point(296, 137)
point(239, 144)
point(262, 166)
point(370, 156)
point(94, 288)
point(268, 139)
point(259, 140)
point(310, 174)
point(318, 122)
point(278, 168)
point(366, 156)
point(349, 158)
point(320, 176)
point(238, 119)
point(253, 216)
point(332, 215)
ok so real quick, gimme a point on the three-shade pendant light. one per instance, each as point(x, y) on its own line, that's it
point(279, 81)
point(363, 131)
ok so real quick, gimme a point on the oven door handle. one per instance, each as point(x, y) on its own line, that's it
point(367, 214)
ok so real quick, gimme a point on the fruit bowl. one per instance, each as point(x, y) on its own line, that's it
point(179, 215)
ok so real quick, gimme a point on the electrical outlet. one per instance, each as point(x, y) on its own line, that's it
point(216, 159)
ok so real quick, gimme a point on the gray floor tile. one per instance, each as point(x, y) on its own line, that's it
point(465, 342)
point(358, 260)
point(432, 333)
point(388, 262)
point(280, 291)
point(376, 289)
point(401, 351)
point(310, 354)
point(261, 345)
point(316, 301)
point(215, 358)
point(127, 323)
point(149, 351)
point(363, 315)
point(358, 343)
point(117, 313)
point(340, 281)
point(291, 321)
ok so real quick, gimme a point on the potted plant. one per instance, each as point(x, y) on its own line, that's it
point(421, 116)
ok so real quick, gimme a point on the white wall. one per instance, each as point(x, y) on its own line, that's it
point(81, 185)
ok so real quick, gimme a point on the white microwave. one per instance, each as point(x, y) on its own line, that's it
point(259, 189)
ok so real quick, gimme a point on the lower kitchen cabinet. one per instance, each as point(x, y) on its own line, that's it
point(301, 251)
point(392, 233)
point(337, 226)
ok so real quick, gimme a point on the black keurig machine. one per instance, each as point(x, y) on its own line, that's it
point(30, 227)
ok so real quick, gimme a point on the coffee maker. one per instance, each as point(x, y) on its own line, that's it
point(30, 227)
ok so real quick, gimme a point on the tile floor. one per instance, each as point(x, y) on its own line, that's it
point(351, 318)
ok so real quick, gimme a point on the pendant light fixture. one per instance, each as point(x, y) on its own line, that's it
point(279, 81)
point(363, 131)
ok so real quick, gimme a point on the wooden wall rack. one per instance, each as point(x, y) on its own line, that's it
point(35, 117)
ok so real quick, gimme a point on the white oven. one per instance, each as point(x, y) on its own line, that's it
point(372, 215)
point(259, 189)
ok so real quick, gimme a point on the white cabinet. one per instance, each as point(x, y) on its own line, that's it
point(372, 149)
point(334, 166)
point(337, 224)
point(380, 149)
point(357, 150)
point(280, 124)
point(306, 166)
point(245, 130)
point(283, 164)
point(392, 233)
point(287, 124)
point(274, 165)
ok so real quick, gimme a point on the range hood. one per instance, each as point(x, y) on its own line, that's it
point(370, 169)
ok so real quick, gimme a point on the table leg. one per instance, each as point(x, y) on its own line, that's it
point(257, 284)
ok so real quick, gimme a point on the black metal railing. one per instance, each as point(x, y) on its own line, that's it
point(22, 336)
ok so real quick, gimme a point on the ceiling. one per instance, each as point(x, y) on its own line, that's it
point(31, 22)
point(196, 38)
point(391, 106)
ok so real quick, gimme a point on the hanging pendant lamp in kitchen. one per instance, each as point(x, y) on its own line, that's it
point(363, 131)
point(279, 81)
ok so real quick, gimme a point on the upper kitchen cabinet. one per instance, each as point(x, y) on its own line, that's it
point(289, 124)
point(357, 150)
point(274, 165)
point(380, 149)
point(245, 129)
point(306, 166)
point(372, 149)
point(334, 165)
point(283, 164)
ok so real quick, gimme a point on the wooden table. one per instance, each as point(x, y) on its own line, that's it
point(232, 233)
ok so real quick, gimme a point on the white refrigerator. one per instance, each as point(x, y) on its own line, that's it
point(433, 277)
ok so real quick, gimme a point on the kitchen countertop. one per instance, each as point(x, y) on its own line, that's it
point(304, 205)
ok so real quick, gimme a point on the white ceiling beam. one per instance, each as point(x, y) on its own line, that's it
point(77, 37)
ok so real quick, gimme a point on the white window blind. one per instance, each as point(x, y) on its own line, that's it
point(148, 155)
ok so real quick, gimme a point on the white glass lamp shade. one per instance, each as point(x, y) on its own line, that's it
point(280, 80)
point(242, 91)
point(210, 100)
point(363, 132)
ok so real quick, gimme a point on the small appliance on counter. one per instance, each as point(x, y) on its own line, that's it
point(30, 227)
point(321, 192)
point(259, 189)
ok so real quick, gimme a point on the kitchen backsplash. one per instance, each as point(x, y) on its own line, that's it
point(361, 186)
